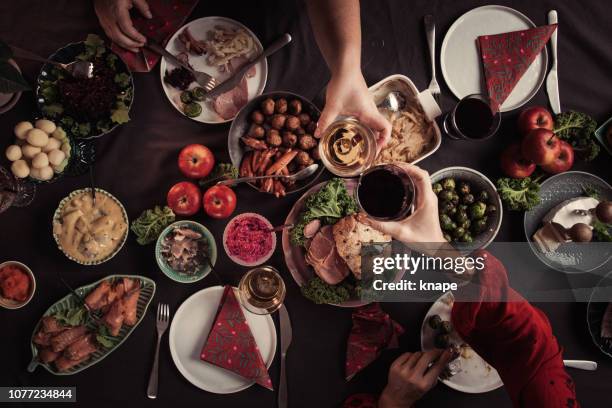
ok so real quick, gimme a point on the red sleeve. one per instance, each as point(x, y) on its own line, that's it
point(515, 338)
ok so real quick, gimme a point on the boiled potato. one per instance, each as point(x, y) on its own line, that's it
point(56, 157)
point(59, 134)
point(46, 173)
point(40, 160)
point(13, 152)
point(37, 137)
point(30, 151)
point(22, 128)
point(52, 144)
point(35, 173)
point(66, 148)
point(20, 169)
point(45, 125)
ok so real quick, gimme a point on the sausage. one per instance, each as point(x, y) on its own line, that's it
point(267, 185)
point(255, 160)
point(266, 158)
point(282, 162)
point(245, 165)
point(279, 189)
point(254, 143)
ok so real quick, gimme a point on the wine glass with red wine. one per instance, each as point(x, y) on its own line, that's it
point(385, 193)
point(472, 119)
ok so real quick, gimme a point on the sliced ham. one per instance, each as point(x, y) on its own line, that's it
point(191, 44)
point(237, 62)
point(323, 257)
point(229, 103)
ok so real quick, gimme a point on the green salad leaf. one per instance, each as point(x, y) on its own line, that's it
point(577, 129)
point(329, 204)
point(151, 223)
point(321, 292)
point(121, 114)
point(72, 317)
point(94, 48)
point(104, 338)
point(519, 194)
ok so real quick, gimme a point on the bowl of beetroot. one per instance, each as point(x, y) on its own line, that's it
point(249, 239)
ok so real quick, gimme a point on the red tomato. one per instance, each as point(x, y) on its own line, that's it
point(219, 201)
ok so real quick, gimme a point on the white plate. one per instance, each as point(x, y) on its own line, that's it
point(460, 59)
point(476, 375)
point(199, 28)
point(189, 330)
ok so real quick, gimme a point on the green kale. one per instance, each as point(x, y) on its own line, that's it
point(519, 194)
point(320, 292)
point(329, 204)
point(151, 223)
point(122, 79)
point(577, 129)
point(221, 171)
point(94, 48)
point(121, 114)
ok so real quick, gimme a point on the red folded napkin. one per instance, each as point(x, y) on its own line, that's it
point(373, 331)
point(230, 343)
point(168, 16)
point(507, 56)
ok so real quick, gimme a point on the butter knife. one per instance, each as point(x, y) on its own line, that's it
point(235, 79)
point(285, 335)
point(552, 81)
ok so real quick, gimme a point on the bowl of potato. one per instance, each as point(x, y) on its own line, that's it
point(274, 134)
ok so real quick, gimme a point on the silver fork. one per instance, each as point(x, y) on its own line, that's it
point(78, 69)
point(203, 79)
point(430, 31)
point(163, 318)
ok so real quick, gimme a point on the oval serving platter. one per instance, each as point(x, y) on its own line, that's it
point(147, 291)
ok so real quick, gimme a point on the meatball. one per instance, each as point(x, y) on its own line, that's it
point(278, 121)
point(267, 106)
point(292, 122)
point(314, 153)
point(280, 106)
point(307, 142)
point(311, 127)
point(289, 139)
point(295, 107)
point(273, 138)
point(299, 131)
point(257, 117)
point(304, 119)
point(303, 158)
point(256, 131)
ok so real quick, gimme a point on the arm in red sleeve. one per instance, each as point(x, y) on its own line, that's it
point(515, 338)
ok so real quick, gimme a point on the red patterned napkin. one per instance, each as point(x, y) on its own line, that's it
point(373, 331)
point(230, 343)
point(507, 56)
point(168, 16)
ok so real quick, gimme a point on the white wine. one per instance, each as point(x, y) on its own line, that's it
point(262, 290)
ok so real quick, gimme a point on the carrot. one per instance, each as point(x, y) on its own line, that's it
point(282, 162)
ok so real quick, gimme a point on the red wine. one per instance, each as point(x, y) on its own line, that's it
point(385, 192)
point(474, 118)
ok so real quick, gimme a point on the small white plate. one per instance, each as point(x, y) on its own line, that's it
point(199, 28)
point(476, 376)
point(189, 331)
point(460, 59)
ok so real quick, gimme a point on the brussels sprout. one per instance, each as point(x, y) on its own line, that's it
point(198, 93)
point(467, 237)
point(447, 237)
point(445, 195)
point(454, 197)
point(186, 97)
point(446, 206)
point(192, 109)
point(461, 216)
point(458, 232)
point(479, 226)
point(434, 322)
point(446, 327)
point(442, 341)
point(491, 209)
point(464, 188)
point(448, 184)
point(452, 210)
point(437, 187)
point(468, 199)
point(477, 210)
point(462, 207)
point(446, 223)
point(483, 196)
point(465, 224)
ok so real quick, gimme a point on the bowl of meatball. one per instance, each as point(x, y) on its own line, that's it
point(274, 134)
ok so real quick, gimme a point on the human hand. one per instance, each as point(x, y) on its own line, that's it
point(423, 225)
point(347, 94)
point(114, 16)
point(411, 376)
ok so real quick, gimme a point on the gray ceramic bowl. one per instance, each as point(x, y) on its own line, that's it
point(241, 125)
point(479, 182)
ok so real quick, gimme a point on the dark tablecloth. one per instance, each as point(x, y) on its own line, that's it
point(137, 163)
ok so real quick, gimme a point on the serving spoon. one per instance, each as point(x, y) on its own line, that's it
point(300, 175)
point(393, 101)
point(78, 69)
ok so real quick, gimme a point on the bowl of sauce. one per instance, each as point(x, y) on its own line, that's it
point(17, 285)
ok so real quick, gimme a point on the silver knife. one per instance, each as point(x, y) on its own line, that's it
point(285, 335)
point(552, 81)
point(235, 79)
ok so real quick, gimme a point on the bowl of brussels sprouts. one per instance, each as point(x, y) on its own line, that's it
point(469, 207)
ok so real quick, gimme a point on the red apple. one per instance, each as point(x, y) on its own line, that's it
point(184, 198)
point(540, 146)
point(535, 117)
point(196, 161)
point(219, 201)
point(564, 160)
point(513, 163)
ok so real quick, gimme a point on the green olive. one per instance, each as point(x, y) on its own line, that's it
point(192, 109)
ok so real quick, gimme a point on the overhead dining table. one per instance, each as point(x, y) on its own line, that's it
point(137, 163)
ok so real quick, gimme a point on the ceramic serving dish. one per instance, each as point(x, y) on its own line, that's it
point(70, 301)
point(259, 261)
